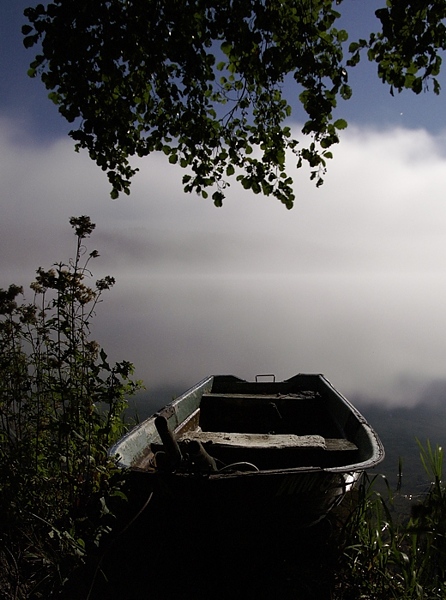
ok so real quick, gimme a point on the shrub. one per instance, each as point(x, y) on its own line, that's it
point(61, 407)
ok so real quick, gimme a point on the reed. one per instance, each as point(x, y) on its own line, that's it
point(385, 554)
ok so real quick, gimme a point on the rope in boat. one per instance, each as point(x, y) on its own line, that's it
point(238, 464)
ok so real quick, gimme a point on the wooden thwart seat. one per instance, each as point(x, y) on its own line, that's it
point(255, 440)
point(272, 450)
point(268, 441)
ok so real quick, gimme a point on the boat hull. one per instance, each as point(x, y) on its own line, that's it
point(300, 499)
point(281, 488)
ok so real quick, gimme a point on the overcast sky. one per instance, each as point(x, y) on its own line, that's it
point(350, 283)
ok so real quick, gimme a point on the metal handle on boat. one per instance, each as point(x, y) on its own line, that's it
point(266, 375)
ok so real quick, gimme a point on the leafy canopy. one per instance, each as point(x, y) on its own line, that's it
point(203, 81)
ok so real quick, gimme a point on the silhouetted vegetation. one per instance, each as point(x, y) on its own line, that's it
point(204, 82)
point(386, 554)
point(61, 406)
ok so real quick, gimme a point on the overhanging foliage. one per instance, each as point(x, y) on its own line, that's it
point(203, 81)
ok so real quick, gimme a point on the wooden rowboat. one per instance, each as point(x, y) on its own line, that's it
point(291, 448)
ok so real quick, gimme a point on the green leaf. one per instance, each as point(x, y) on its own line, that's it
point(30, 40)
point(218, 198)
point(226, 48)
point(246, 183)
point(340, 124)
point(54, 97)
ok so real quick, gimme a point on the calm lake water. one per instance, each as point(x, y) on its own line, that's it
point(399, 428)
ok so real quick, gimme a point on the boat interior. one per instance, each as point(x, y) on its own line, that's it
point(270, 426)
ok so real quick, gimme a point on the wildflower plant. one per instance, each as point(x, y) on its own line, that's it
point(61, 407)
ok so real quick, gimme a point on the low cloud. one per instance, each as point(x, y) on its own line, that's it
point(350, 283)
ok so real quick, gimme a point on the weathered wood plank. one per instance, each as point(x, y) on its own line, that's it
point(339, 444)
point(255, 440)
point(268, 440)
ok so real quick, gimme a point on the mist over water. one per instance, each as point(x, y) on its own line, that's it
point(350, 283)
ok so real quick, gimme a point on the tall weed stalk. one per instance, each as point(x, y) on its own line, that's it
point(61, 407)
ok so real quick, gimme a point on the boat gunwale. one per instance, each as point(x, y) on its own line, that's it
point(171, 411)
